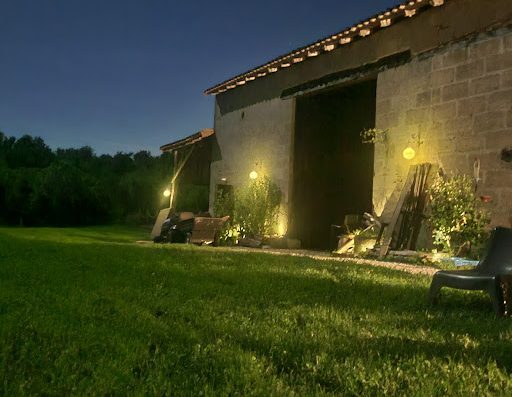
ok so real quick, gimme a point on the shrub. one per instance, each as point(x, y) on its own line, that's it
point(224, 201)
point(458, 220)
point(256, 207)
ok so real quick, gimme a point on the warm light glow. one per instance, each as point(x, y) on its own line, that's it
point(253, 175)
point(167, 193)
point(281, 227)
point(385, 23)
point(224, 179)
point(409, 153)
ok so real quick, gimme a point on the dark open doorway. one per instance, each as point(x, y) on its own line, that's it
point(333, 169)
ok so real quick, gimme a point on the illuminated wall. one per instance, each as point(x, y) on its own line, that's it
point(256, 138)
point(452, 107)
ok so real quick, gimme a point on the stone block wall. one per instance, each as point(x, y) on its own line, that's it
point(255, 138)
point(452, 106)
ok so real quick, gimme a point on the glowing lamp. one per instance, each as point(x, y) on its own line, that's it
point(253, 175)
point(167, 193)
point(409, 153)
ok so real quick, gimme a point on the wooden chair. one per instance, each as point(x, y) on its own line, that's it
point(488, 274)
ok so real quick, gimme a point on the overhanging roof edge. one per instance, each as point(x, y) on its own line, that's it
point(379, 21)
point(189, 140)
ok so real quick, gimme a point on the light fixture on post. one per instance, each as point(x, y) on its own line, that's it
point(409, 153)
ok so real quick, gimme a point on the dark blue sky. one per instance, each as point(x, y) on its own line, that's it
point(129, 75)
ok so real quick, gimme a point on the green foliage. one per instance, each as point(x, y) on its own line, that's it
point(372, 135)
point(88, 312)
point(224, 203)
point(193, 198)
point(66, 196)
point(457, 217)
point(256, 207)
point(19, 186)
point(76, 187)
point(28, 152)
point(229, 235)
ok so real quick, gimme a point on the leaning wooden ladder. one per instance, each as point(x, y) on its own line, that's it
point(407, 220)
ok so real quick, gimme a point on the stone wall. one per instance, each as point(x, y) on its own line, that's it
point(452, 106)
point(255, 138)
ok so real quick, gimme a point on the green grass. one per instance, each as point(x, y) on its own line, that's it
point(89, 312)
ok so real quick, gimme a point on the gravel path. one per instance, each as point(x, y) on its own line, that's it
point(326, 256)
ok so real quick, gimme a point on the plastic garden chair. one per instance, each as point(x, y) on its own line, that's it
point(487, 275)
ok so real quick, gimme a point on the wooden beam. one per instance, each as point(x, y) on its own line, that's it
point(388, 235)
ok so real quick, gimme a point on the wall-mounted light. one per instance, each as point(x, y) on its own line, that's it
point(253, 175)
point(224, 179)
point(167, 193)
point(409, 153)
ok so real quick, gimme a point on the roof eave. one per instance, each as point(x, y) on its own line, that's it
point(345, 37)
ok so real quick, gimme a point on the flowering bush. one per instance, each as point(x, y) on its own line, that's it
point(458, 220)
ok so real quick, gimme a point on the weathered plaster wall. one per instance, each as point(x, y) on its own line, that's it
point(259, 138)
point(452, 107)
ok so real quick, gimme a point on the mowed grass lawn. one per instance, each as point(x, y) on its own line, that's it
point(90, 312)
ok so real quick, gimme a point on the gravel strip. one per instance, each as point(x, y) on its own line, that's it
point(326, 256)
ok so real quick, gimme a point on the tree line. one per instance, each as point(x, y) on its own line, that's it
point(67, 187)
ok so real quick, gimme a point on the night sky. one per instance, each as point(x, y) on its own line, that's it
point(129, 75)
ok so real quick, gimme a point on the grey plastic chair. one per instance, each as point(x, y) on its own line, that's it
point(497, 262)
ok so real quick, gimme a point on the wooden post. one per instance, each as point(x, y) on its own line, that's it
point(176, 172)
point(173, 180)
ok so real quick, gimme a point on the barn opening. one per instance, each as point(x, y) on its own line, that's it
point(333, 169)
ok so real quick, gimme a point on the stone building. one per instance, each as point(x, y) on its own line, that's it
point(435, 75)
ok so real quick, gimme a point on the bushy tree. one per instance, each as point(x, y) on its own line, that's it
point(66, 196)
point(18, 188)
point(82, 157)
point(76, 187)
point(458, 220)
point(256, 207)
point(28, 152)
